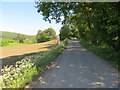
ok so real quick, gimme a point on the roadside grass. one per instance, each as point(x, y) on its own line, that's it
point(106, 53)
point(14, 44)
point(27, 68)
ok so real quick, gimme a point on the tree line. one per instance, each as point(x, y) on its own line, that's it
point(42, 36)
point(46, 35)
point(96, 21)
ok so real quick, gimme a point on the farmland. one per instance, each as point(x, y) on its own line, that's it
point(11, 54)
point(7, 39)
point(11, 35)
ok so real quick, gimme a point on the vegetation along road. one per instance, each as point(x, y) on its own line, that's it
point(77, 67)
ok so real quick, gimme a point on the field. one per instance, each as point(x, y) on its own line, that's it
point(11, 35)
point(9, 42)
point(11, 54)
point(7, 39)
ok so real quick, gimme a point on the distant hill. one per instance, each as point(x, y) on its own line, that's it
point(11, 35)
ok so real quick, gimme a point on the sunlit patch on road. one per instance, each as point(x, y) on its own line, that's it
point(71, 65)
point(101, 78)
point(58, 66)
point(42, 80)
point(62, 81)
point(97, 83)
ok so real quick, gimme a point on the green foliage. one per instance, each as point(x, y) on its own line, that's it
point(19, 74)
point(8, 42)
point(11, 35)
point(20, 38)
point(64, 32)
point(7, 35)
point(96, 21)
point(23, 71)
point(46, 35)
point(11, 39)
point(104, 52)
point(49, 56)
point(50, 32)
point(5, 42)
point(67, 32)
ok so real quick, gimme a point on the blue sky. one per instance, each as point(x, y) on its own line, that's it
point(22, 17)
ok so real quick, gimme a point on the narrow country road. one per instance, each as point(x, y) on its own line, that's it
point(78, 68)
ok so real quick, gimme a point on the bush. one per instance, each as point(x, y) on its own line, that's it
point(23, 71)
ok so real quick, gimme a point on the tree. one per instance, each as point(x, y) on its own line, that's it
point(38, 36)
point(20, 38)
point(64, 32)
point(95, 21)
point(50, 32)
point(46, 35)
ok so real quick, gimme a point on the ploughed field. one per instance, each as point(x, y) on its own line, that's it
point(9, 53)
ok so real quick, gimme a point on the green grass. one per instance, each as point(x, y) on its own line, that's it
point(104, 52)
point(24, 71)
point(9, 42)
point(15, 44)
point(6, 37)
point(11, 35)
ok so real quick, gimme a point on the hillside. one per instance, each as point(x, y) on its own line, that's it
point(11, 35)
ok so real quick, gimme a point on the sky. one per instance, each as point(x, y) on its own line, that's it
point(22, 17)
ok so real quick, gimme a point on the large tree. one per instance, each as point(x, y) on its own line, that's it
point(50, 32)
point(46, 35)
point(95, 21)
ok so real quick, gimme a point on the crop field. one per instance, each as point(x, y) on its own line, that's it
point(19, 50)
point(9, 42)
point(8, 39)
point(10, 53)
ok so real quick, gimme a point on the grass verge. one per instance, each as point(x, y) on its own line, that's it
point(24, 71)
point(14, 44)
point(106, 53)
